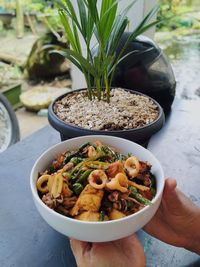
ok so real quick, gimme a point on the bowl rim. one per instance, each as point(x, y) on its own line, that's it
point(38, 199)
point(160, 118)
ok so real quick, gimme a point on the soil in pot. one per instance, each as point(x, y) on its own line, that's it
point(125, 111)
point(130, 115)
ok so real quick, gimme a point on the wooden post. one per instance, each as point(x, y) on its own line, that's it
point(19, 19)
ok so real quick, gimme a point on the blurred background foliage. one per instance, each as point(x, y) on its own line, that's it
point(41, 27)
point(181, 14)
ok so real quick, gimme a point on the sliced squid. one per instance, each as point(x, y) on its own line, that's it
point(97, 179)
point(119, 182)
point(42, 183)
point(132, 166)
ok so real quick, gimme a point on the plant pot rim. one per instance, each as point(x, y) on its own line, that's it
point(51, 112)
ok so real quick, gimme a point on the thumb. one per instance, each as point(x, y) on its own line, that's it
point(76, 246)
point(170, 186)
point(79, 247)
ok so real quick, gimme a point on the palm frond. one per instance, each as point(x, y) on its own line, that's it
point(108, 26)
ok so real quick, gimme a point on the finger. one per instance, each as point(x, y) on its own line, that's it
point(133, 247)
point(170, 186)
point(130, 242)
point(78, 247)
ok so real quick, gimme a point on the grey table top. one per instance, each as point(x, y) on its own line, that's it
point(25, 238)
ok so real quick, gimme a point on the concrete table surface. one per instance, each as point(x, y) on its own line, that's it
point(25, 238)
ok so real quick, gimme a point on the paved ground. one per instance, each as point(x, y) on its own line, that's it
point(29, 122)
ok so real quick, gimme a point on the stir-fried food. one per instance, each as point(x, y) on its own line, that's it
point(96, 183)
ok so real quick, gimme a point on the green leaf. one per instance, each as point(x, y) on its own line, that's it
point(107, 17)
point(92, 7)
point(82, 61)
point(142, 27)
point(83, 17)
point(108, 28)
point(90, 27)
point(67, 28)
point(118, 30)
point(72, 12)
point(76, 38)
point(66, 55)
point(120, 60)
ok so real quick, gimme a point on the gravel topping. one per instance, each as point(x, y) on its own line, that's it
point(125, 111)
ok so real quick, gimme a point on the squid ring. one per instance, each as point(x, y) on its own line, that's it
point(42, 183)
point(119, 182)
point(97, 179)
point(132, 166)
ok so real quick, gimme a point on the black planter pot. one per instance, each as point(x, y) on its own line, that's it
point(140, 135)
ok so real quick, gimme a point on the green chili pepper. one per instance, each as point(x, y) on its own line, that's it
point(102, 216)
point(77, 188)
point(84, 176)
point(139, 197)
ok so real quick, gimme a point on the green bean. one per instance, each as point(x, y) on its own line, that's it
point(66, 174)
point(84, 176)
point(76, 160)
point(103, 158)
point(74, 175)
point(102, 216)
point(51, 169)
point(84, 146)
point(69, 157)
point(138, 196)
point(76, 153)
point(153, 180)
point(153, 191)
point(119, 156)
point(108, 150)
point(77, 188)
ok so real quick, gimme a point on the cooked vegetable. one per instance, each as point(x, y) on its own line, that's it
point(102, 216)
point(77, 188)
point(95, 183)
point(138, 196)
point(84, 176)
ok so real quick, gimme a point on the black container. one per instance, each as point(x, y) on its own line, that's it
point(140, 135)
point(147, 70)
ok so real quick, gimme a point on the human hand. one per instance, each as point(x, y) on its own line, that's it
point(126, 252)
point(177, 219)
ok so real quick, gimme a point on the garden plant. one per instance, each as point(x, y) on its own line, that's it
point(106, 27)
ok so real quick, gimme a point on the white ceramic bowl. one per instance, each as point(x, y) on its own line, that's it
point(98, 231)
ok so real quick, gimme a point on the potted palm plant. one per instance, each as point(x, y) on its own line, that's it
point(99, 108)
